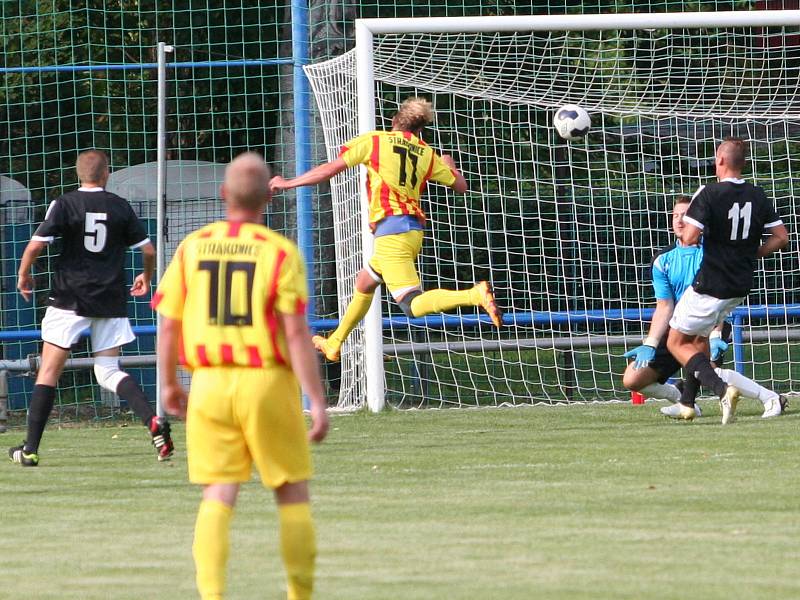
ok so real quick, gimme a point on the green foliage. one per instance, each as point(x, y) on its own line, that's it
point(51, 114)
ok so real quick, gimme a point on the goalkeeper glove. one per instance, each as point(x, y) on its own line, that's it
point(718, 346)
point(641, 355)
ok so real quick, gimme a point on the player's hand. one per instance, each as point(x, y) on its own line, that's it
point(642, 355)
point(718, 348)
point(448, 160)
point(25, 286)
point(319, 423)
point(277, 184)
point(141, 285)
point(174, 399)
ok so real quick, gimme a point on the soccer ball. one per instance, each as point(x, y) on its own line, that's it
point(572, 122)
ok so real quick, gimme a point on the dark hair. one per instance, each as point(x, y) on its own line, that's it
point(682, 199)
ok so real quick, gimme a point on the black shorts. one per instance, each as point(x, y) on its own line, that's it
point(667, 365)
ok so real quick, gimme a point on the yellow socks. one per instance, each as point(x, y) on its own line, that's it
point(356, 310)
point(211, 542)
point(298, 548)
point(436, 301)
point(210, 547)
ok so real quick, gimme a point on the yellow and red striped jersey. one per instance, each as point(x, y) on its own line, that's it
point(399, 166)
point(227, 283)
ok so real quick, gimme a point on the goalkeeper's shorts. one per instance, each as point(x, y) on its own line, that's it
point(240, 416)
point(395, 261)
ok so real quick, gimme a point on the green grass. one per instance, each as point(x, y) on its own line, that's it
point(590, 501)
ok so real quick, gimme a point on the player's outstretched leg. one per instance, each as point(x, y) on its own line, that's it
point(441, 300)
point(774, 404)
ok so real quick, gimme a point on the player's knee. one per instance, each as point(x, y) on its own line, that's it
point(405, 302)
point(367, 280)
point(108, 373)
point(636, 380)
point(629, 380)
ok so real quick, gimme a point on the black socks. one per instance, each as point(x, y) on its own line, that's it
point(129, 390)
point(700, 365)
point(42, 400)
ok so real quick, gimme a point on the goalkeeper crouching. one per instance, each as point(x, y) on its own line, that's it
point(674, 269)
point(399, 166)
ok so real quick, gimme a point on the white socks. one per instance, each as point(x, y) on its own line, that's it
point(662, 390)
point(748, 387)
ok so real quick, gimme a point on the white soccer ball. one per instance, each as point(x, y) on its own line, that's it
point(572, 122)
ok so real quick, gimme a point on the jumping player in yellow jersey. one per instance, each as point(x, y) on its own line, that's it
point(233, 304)
point(399, 165)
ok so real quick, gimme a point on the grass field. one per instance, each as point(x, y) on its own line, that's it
point(589, 501)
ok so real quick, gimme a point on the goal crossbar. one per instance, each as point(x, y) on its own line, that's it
point(585, 22)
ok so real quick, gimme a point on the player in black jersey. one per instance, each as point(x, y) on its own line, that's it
point(88, 291)
point(731, 215)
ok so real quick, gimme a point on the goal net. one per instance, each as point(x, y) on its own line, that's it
point(565, 231)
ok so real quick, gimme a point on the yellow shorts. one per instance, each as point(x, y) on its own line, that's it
point(240, 416)
point(395, 260)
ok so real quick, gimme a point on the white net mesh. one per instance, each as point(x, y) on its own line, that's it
point(566, 231)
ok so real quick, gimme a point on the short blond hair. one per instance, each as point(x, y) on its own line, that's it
point(247, 181)
point(92, 166)
point(414, 113)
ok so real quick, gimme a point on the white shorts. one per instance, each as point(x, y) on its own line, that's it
point(63, 328)
point(698, 314)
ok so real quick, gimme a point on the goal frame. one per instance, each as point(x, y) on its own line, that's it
point(367, 29)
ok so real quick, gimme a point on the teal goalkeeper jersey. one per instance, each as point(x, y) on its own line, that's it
point(674, 270)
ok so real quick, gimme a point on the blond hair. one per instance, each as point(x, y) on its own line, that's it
point(92, 166)
point(414, 113)
point(247, 181)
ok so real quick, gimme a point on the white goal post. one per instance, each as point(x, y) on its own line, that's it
point(579, 221)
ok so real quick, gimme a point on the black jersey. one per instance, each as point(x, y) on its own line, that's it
point(733, 215)
point(96, 228)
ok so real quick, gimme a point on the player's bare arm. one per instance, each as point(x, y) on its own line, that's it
point(316, 175)
point(778, 238)
point(305, 365)
point(141, 284)
point(173, 396)
point(460, 184)
point(24, 278)
point(659, 324)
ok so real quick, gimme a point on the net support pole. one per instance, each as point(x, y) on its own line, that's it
point(161, 185)
point(373, 334)
point(302, 144)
